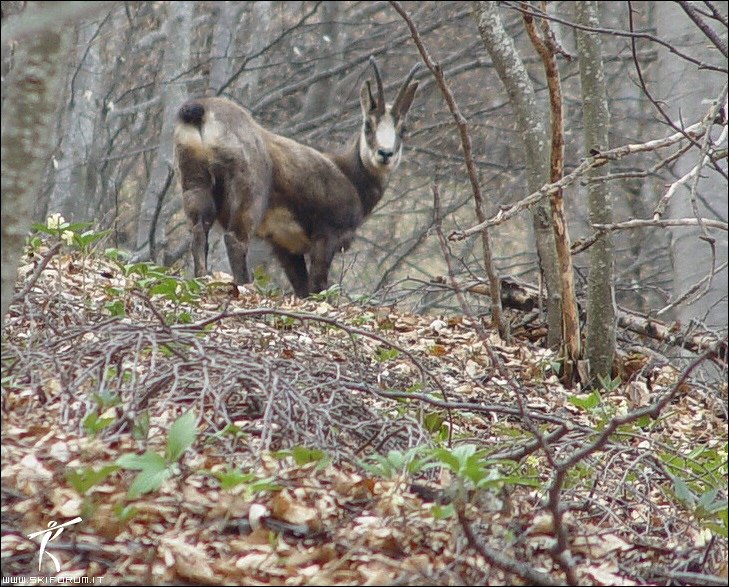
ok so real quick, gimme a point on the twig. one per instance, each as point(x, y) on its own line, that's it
point(525, 7)
point(37, 272)
point(581, 245)
point(303, 317)
point(498, 559)
point(616, 154)
point(437, 71)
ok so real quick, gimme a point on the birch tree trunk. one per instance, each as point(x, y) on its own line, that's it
point(533, 129)
point(600, 338)
point(28, 119)
point(175, 62)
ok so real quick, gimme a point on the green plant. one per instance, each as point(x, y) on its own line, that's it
point(608, 385)
point(57, 227)
point(264, 284)
point(81, 480)
point(303, 455)
point(331, 294)
point(93, 423)
point(474, 470)
point(699, 483)
point(231, 477)
point(396, 462)
point(104, 401)
point(153, 281)
point(155, 468)
point(383, 354)
point(586, 402)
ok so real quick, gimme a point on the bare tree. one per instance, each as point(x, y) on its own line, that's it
point(175, 62)
point(28, 115)
point(533, 130)
point(600, 336)
point(699, 257)
point(275, 57)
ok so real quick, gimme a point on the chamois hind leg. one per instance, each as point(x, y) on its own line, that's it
point(295, 267)
point(200, 211)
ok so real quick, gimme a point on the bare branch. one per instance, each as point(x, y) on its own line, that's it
point(616, 154)
point(525, 7)
point(693, 14)
point(466, 145)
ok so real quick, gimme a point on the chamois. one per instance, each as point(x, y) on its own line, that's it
point(303, 201)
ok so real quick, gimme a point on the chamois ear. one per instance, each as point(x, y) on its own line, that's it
point(366, 99)
point(404, 101)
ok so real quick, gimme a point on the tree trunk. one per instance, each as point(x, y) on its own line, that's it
point(260, 33)
point(319, 96)
point(223, 45)
point(74, 183)
point(600, 338)
point(28, 115)
point(533, 129)
point(175, 62)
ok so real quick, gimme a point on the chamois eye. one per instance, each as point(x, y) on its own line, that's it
point(368, 127)
point(403, 131)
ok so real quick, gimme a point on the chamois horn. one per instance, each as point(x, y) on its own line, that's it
point(403, 87)
point(380, 88)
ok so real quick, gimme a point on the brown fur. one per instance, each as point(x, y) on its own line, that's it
point(254, 182)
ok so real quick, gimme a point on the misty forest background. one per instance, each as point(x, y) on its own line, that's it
point(298, 66)
point(542, 402)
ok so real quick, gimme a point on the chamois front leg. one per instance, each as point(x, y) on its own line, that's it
point(237, 248)
point(200, 212)
point(245, 193)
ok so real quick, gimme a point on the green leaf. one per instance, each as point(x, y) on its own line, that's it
point(93, 424)
point(147, 480)
point(683, 492)
point(586, 403)
point(385, 354)
point(442, 512)
point(717, 529)
point(166, 288)
point(232, 477)
point(303, 455)
point(149, 460)
point(81, 480)
point(180, 437)
point(140, 429)
point(123, 512)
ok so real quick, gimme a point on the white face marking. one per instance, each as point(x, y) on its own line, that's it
point(384, 155)
point(386, 133)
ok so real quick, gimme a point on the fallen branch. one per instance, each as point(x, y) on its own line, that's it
point(525, 297)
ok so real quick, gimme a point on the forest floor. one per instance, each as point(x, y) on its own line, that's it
point(214, 435)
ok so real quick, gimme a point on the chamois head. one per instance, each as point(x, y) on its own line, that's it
point(383, 125)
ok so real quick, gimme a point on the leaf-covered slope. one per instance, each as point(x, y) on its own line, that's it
point(334, 444)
